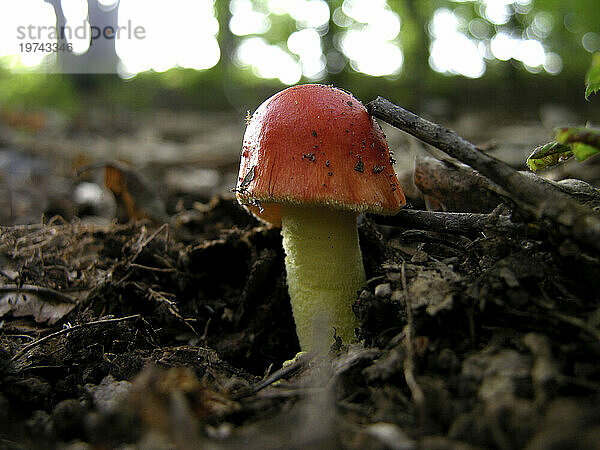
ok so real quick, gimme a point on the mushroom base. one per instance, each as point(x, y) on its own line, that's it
point(324, 272)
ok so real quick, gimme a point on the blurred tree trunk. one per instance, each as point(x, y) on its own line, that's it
point(336, 77)
point(226, 67)
point(416, 55)
point(101, 56)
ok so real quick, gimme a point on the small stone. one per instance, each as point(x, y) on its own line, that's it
point(383, 290)
point(390, 435)
point(222, 431)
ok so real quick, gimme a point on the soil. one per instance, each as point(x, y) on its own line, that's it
point(467, 341)
point(144, 335)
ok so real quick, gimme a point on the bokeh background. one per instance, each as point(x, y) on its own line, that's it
point(173, 104)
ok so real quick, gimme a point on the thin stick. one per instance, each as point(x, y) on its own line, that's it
point(147, 241)
point(141, 248)
point(545, 201)
point(172, 307)
point(409, 361)
point(576, 322)
point(68, 330)
point(297, 364)
point(452, 222)
point(153, 269)
point(38, 290)
point(573, 321)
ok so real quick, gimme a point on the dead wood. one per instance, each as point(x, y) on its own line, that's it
point(454, 222)
point(543, 200)
point(70, 329)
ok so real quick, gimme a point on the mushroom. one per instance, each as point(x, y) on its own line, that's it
point(312, 159)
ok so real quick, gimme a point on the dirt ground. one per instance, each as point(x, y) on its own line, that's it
point(157, 336)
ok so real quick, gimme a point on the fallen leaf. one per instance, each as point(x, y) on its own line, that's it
point(23, 305)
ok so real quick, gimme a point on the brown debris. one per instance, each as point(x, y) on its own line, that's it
point(468, 341)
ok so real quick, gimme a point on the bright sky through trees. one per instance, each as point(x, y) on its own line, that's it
point(367, 37)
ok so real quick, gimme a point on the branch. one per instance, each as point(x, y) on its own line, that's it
point(453, 222)
point(545, 201)
point(68, 330)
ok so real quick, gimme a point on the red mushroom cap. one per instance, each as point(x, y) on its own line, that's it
point(315, 145)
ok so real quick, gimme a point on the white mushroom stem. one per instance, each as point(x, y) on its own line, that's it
point(324, 272)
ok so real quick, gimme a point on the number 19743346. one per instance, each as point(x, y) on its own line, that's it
point(45, 47)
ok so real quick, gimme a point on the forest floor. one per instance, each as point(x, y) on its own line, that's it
point(147, 335)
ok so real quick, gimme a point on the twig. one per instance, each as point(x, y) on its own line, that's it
point(453, 222)
point(293, 392)
point(38, 290)
point(29, 227)
point(68, 330)
point(297, 364)
point(147, 241)
point(172, 307)
point(205, 333)
point(571, 320)
point(576, 322)
point(140, 249)
point(409, 361)
point(19, 336)
point(544, 201)
point(153, 269)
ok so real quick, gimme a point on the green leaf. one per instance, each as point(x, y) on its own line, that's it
point(592, 78)
point(548, 155)
point(583, 141)
point(585, 135)
point(583, 151)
